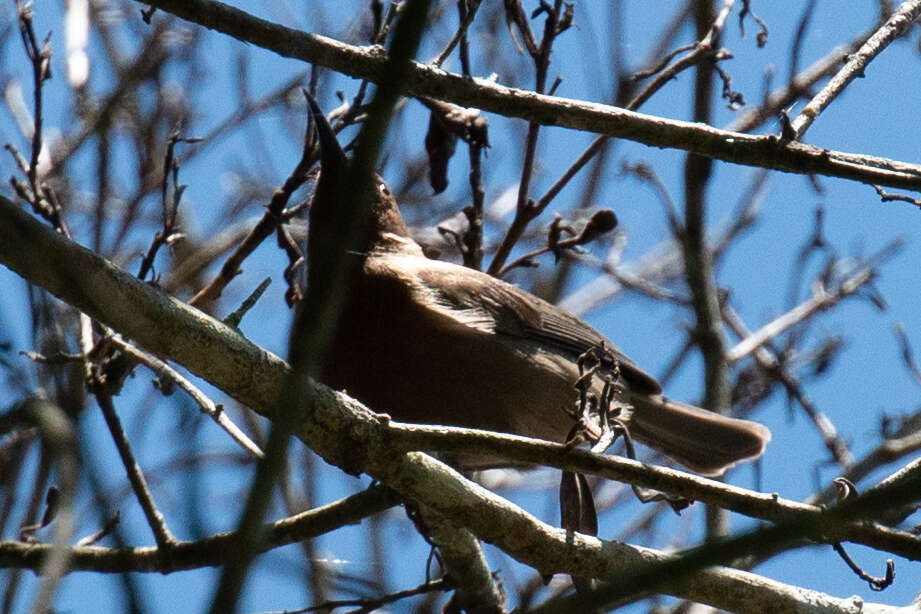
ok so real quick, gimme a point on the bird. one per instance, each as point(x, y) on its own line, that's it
point(433, 342)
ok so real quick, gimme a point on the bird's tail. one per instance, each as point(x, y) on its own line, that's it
point(702, 440)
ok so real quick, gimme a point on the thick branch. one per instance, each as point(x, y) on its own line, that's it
point(678, 483)
point(220, 355)
point(345, 433)
point(425, 80)
point(139, 311)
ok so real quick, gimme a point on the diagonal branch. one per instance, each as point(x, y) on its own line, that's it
point(425, 80)
point(894, 28)
point(220, 354)
point(214, 410)
point(772, 364)
point(152, 513)
point(821, 299)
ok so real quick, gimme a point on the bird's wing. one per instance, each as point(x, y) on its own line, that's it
point(483, 302)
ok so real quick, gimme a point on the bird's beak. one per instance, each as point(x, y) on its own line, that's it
point(332, 158)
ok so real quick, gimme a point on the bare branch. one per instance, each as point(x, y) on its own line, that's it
point(215, 411)
point(762, 151)
point(894, 28)
point(772, 364)
point(468, 12)
point(207, 552)
point(821, 299)
point(155, 519)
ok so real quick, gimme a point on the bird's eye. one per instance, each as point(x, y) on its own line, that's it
point(383, 189)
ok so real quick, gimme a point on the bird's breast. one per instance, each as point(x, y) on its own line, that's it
point(401, 358)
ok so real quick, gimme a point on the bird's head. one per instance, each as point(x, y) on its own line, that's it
point(383, 213)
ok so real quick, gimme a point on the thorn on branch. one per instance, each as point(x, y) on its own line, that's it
point(787, 132)
point(844, 489)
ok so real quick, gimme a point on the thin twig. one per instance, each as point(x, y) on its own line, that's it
point(908, 356)
point(896, 446)
point(263, 229)
point(40, 58)
point(769, 361)
point(38, 194)
point(469, 9)
point(762, 35)
point(698, 53)
point(602, 222)
point(820, 300)
point(207, 406)
point(110, 525)
point(350, 111)
point(799, 36)
point(370, 604)
point(895, 27)
point(885, 197)
point(170, 200)
point(155, 520)
point(526, 210)
point(876, 584)
point(236, 316)
point(212, 550)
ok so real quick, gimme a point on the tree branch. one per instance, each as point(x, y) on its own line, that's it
point(426, 80)
point(208, 552)
point(894, 28)
point(336, 426)
point(220, 354)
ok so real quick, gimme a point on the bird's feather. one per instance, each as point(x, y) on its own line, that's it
point(484, 303)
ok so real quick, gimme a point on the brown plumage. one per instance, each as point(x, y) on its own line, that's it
point(433, 342)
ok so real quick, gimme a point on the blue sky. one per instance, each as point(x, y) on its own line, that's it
point(876, 115)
